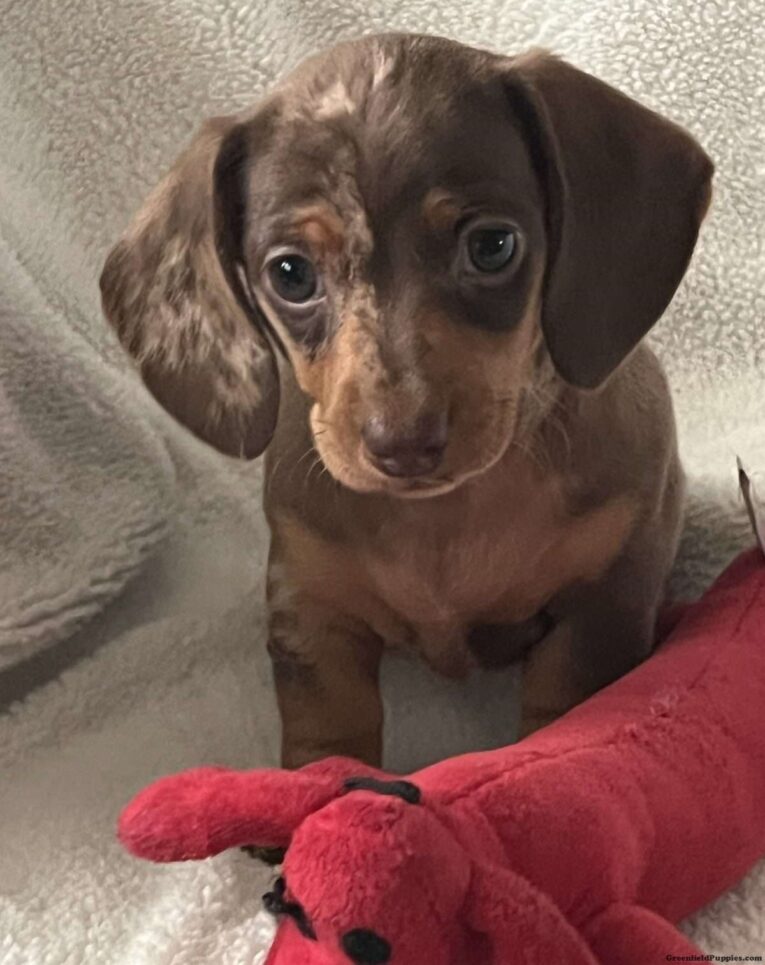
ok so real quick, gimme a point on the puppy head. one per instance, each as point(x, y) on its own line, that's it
point(417, 226)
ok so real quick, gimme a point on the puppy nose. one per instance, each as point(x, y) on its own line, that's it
point(401, 452)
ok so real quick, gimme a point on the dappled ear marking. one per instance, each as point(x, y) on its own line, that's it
point(169, 289)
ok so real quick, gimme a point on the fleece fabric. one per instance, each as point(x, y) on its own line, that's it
point(131, 557)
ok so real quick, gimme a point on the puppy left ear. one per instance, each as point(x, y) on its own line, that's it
point(626, 191)
point(172, 290)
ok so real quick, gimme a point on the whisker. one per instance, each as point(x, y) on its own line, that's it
point(272, 474)
point(547, 405)
point(317, 462)
point(531, 452)
point(309, 451)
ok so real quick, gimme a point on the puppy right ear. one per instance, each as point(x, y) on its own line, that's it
point(172, 289)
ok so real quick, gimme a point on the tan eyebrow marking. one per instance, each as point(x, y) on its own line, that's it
point(320, 227)
point(441, 209)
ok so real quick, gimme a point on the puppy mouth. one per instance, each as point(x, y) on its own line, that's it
point(418, 488)
point(360, 475)
point(363, 476)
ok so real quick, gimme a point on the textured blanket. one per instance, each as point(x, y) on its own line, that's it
point(131, 634)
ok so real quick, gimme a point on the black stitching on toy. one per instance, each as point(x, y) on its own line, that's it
point(404, 789)
point(277, 905)
point(269, 856)
point(365, 947)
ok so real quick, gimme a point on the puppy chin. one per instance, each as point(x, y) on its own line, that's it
point(420, 488)
point(372, 483)
point(399, 488)
point(350, 467)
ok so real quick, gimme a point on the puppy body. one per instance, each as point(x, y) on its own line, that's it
point(471, 453)
point(578, 521)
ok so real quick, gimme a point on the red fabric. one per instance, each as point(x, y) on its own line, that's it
point(581, 845)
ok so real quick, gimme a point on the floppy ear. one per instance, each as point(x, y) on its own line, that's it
point(626, 193)
point(172, 291)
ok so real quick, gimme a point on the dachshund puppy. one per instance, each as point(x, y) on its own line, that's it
point(419, 274)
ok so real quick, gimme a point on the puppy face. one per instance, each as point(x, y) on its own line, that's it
point(397, 250)
point(417, 225)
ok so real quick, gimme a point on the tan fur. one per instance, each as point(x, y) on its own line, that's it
point(440, 209)
point(321, 227)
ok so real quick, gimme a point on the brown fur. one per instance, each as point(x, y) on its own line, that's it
point(546, 528)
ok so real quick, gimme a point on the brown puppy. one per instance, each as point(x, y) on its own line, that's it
point(456, 256)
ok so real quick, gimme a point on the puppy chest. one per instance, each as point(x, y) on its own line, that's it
point(414, 584)
point(430, 581)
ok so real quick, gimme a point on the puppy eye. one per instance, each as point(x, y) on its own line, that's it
point(490, 249)
point(294, 279)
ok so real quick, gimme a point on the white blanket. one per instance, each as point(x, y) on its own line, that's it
point(131, 557)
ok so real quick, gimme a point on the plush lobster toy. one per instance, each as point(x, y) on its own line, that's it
point(582, 844)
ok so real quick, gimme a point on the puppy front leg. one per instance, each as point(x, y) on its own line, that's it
point(574, 661)
point(602, 632)
point(326, 669)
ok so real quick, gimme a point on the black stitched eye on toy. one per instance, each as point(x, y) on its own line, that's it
point(365, 947)
point(293, 278)
point(490, 248)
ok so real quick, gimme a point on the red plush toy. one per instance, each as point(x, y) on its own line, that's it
point(584, 843)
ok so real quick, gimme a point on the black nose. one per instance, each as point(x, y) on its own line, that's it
point(365, 947)
point(401, 452)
